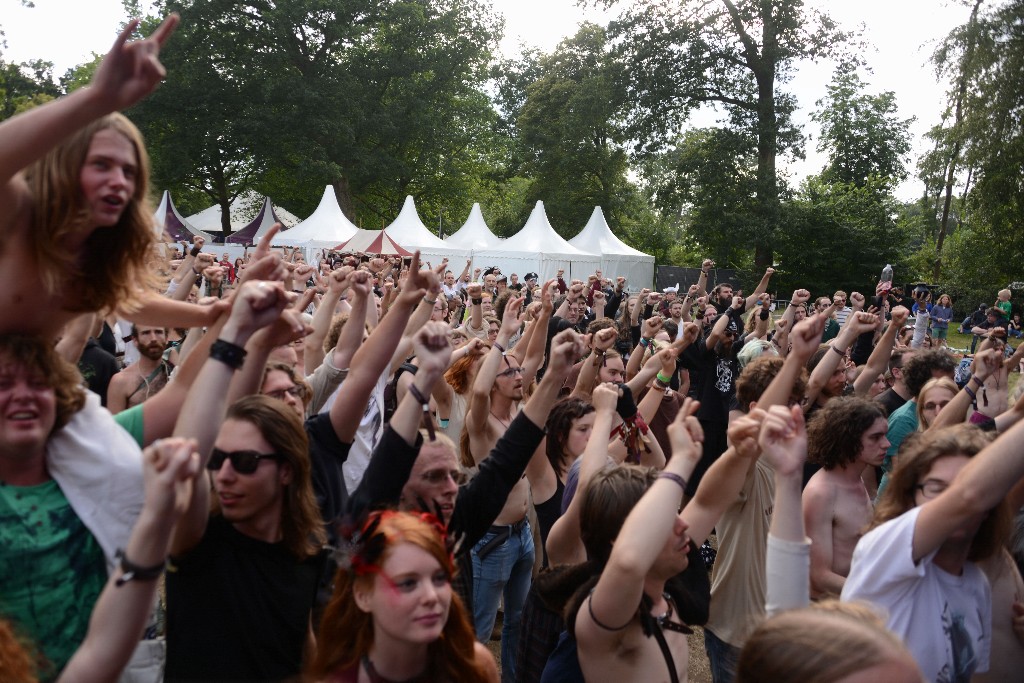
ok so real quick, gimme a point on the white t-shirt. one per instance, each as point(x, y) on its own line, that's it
point(945, 620)
point(371, 426)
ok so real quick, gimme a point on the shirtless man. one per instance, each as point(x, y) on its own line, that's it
point(846, 437)
point(143, 379)
point(77, 230)
point(503, 559)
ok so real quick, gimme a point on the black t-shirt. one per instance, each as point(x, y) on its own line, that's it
point(717, 379)
point(890, 400)
point(327, 454)
point(238, 609)
point(97, 367)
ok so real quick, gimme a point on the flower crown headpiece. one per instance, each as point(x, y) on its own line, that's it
point(360, 546)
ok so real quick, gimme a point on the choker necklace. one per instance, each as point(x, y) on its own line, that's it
point(377, 678)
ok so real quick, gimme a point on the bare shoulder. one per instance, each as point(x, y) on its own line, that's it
point(485, 662)
point(17, 200)
point(820, 492)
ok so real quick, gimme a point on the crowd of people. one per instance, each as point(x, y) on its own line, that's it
point(270, 470)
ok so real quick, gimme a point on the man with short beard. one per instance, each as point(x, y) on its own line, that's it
point(144, 378)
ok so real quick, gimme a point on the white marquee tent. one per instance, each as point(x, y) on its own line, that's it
point(617, 257)
point(242, 210)
point(325, 228)
point(538, 248)
point(474, 233)
point(408, 230)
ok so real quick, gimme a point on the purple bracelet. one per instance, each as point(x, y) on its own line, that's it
point(672, 476)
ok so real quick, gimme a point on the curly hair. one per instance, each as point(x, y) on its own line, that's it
point(346, 631)
point(111, 269)
point(834, 433)
point(37, 356)
point(919, 368)
point(917, 456)
point(756, 377)
point(301, 523)
point(559, 423)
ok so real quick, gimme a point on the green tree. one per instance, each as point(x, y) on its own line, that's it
point(680, 56)
point(861, 133)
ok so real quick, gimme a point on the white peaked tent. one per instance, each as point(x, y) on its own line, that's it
point(408, 230)
point(538, 248)
point(167, 219)
point(617, 257)
point(474, 233)
point(243, 209)
point(325, 228)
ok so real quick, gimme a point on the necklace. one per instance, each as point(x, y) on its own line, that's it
point(377, 678)
point(503, 422)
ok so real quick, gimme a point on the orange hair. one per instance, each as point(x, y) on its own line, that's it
point(346, 632)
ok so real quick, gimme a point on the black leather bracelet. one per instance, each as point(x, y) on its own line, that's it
point(477, 302)
point(230, 354)
point(133, 572)
point(195, 251)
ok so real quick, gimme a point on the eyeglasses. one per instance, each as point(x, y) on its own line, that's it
point(243, 462)
point(294, 390)
point(511, 372)
point(932, 488)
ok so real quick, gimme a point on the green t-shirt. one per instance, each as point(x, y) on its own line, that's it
point(131, 420)
point(1006, 307)
point(52, 570)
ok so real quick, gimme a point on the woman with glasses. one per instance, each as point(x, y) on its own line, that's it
point(944, 510)
point(394, 615)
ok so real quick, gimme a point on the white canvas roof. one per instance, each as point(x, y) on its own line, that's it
point(474, 233)
point(167, 219)
point(617, 257)
point(408, 230)
point(325, 227)
point(245, 207)
point(538, 248)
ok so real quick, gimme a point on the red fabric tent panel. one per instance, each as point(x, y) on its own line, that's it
point(373, 242)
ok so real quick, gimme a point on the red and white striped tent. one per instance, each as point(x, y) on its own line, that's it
point(373, 242)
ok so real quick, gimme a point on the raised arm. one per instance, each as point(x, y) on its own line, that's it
point(170, 469)
point(129, 72)
point(955, 412)
point(979, 487)
point(600, 342)
point(337, 283)
point(642, 539)
point(761, 288)
point(564, 545)
point(805, 340)
point(783, 442)
point(879, 358)
point(256, 305)
point(856, 324)
point(535, 347)
point(480, 397)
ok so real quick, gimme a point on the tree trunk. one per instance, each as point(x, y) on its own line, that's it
point(345, 201)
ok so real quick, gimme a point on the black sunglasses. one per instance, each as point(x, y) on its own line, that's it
point(243, 462)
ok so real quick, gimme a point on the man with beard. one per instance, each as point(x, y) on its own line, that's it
point(144, 378)
point(845, 437)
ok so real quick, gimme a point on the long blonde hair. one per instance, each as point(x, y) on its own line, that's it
point(111, 269)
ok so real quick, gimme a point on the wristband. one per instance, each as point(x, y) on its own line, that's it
point(974, 396)
point(133, 572)
point(416, 394)
point(838, 350)
point(444, 423)
point(477, 302)
point(663, 379)
point(981, 382)
point(230, 354)
point(498, 346)
point(430, 301)
point(195, 251)
point(644, 342)
point(672, 476)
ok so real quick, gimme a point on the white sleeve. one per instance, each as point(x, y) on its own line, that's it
point(883, 563)
point(788, 567)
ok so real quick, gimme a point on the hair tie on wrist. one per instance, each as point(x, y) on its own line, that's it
point(672, 476)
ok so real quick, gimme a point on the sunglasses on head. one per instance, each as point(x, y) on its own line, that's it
point(243, 462)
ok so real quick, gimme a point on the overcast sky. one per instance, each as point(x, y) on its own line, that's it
point(66, 32)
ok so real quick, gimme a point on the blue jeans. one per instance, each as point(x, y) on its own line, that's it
point(506, 571)
point(723, 658)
